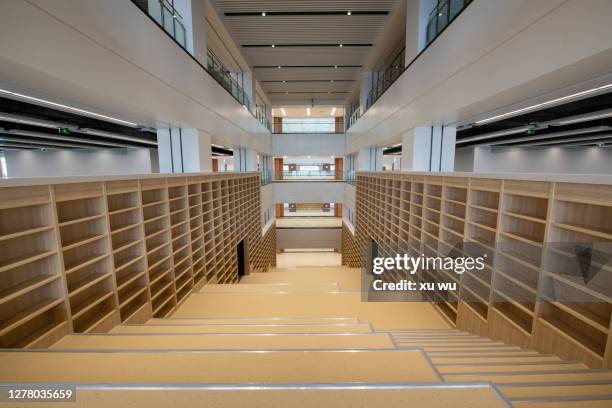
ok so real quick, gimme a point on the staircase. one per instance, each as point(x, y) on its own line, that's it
point(303, 338)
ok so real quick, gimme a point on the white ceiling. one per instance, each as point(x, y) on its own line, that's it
point(302, 112)
point(306, 83)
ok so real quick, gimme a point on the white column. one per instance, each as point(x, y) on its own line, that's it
point(369, 159)
point(429, 149)
point(197, 152)
point(245, 159)
point(183, 151)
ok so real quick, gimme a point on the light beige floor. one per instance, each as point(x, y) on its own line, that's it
point(271, 287)
point(309, 222)
point(283, 367)
point(435, 397)
point(306, 259)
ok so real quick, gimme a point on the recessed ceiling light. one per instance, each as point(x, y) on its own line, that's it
point(348, 13)
point(332, 81)
point(284, 81)
point(263, 14)
point(279, 67)
point(308, 111)
point(439, 14)
point(335, 67)
point(70, 108)
point(286, 92)
point(340, 45)
point(273, 46)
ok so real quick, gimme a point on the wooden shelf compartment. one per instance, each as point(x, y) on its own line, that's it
point(87, 277)
point(453, 209)
point(483, 218)
point(522, 230)
point(88, 254)
point(135, 292)
point(515, 315)
point(40, 330)
point(122, 201)
point(121, 220)
point(154, 213)
point(484, 200)
point(26, 220)
point(76, 235)
point(531, 207)
point(569, 325)
point(481, 308)
point(526, 276)
point(91, 297)
point(455, 194)
point(478, 291)
point(100, 319)
point(18, 251)
point(519, 250)
point(164, 302)
point(79, 210)
point(590, 219)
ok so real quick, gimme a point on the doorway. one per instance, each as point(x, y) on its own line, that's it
point(241, 258)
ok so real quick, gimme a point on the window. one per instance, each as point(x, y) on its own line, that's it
point(309, 125)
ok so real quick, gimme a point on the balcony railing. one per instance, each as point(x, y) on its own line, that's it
point(266, 177)
point(350, 177)
point(440, 17)
point(168, 19)
point(225, 78)
point(308, 175)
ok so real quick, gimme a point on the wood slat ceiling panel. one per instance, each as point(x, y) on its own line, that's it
point(305, 5)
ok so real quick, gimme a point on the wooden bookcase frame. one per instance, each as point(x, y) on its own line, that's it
point(510, 220)
point(85, 254)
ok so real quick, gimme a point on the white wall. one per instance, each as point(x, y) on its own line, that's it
point(495, 54)
point(109, 57)
point(574, 160)
point(308, 192)
point(308, 144)
point(30, 163)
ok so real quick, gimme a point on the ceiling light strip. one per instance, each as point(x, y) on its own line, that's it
point(493, 135)
point(41, 135)
point(552, 135)
point(544, 104)
point(117, 136)
point(66, 107)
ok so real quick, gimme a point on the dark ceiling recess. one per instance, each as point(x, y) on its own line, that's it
point(583, 122)
point(221, 151)
point(309, 13)
point(306, 66)
point(393, 150)
point(25, 125)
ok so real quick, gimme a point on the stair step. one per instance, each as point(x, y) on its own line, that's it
point(603, 403)
point(492, 360)
point(256, 320)
point(501, 379)
point(187, 341)
point(216, 367)
point(522, 393)
point(510, 368)
point(249, 328)
point(347, 396)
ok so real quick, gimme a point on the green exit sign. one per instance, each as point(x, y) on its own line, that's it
point(64, 131)
point(531, 132)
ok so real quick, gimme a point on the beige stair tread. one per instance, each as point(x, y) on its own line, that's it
point(216, 367)
point(528, 378)
point(506, 359)
point(478, 352)
point(347, 279)
point(249, 328)
point(564, 404)
point(498, 368)
point(263, 320)
point(556, 390)
point(382, 315)
point(224, 342)
point(436, 397)
point(271, 287)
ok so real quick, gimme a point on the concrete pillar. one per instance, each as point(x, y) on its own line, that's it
point(370, 159)
point(245, 159)
point(429, 149)
point(183, 151)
